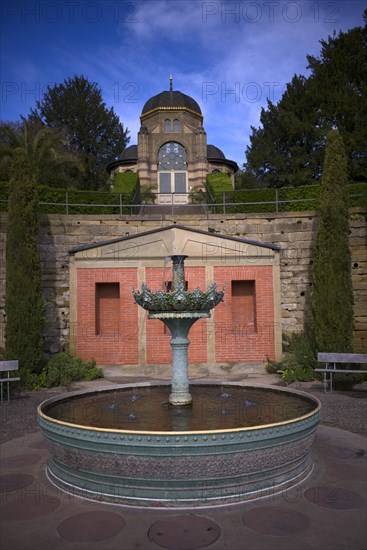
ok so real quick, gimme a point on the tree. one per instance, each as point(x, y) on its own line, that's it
point(24, 305)
point(287, 150)
point(91, 131)
point(44, 148)
point(332, 295)
point(289, 147)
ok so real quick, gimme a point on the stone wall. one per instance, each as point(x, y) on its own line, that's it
point(294, 232)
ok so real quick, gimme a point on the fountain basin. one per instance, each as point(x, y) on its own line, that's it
point(180, 468)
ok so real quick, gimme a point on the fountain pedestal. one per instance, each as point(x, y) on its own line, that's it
point(179, 309)
point(179, 324)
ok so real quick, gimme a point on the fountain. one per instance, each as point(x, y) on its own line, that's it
point(179, 309)
point(206, 445)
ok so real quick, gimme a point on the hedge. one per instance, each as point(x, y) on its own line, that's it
point(56, 199)
point(307, 196)
point(125, 182)
point(217, 184)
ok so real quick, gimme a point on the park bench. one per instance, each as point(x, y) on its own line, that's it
point(331, 361)
point(7, 367)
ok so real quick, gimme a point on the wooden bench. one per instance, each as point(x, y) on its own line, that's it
point(7, 367)
point(331, 361)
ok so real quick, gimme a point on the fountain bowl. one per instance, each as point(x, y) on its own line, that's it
point(179, 468)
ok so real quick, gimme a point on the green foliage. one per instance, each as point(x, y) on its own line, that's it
point(332, 295)
point(44, 148)
point(345, 382)
point(125, 182)
point(91, 199)
point(197, 196)
point(24, 305)
point(299, 360)
point(252, 196)
point(92, 132)
point(288, 148)
point(357, 189)
point(219, 182)
point(308, 197)
point(64, 368)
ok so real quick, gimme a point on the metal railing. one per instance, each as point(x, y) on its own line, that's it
point(176, 203)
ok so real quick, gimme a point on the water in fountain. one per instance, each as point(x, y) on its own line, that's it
point(241, 408)
point(235, 442)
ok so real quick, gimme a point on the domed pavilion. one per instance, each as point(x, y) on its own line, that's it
point(172, 151)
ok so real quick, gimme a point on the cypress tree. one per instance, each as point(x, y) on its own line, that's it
point(332, 296)
point(23, 301)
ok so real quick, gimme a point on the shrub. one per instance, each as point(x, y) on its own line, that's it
point(308, 195)
point(347, 381)
point(332, 294)
point(219, 182)
point(24, 304)
point(65, 368)
point(252, 196)
point(299, 360)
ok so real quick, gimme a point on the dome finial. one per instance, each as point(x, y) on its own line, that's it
point(170, 83)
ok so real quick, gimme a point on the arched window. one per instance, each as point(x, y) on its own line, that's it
point(172, 156)
point(176, 125)
point(172, 173)
point(215, 171)
point(167, 126)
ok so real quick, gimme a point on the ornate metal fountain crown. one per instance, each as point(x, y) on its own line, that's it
point(178, 299)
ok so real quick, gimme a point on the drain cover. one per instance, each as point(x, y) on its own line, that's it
point(337, 498)
point(91, 526)
point(274, 520)
point(184, 532)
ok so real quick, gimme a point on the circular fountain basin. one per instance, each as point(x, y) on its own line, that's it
point(128, 445)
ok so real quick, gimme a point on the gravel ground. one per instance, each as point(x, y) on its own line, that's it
point(346, 410)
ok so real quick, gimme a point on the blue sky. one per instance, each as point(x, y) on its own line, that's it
point(229, 56)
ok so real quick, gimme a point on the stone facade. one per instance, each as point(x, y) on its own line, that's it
point(128, 338)
point(294, 232)
point(172, 118)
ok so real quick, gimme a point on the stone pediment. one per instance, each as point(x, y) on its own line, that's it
point(153, 247)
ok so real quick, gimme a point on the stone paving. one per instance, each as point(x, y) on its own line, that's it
point(326, 512)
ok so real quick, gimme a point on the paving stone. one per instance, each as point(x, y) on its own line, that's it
point(337, 498)
point(92, 526)
point(276, 520)
point(19, 461)
point(11, 483)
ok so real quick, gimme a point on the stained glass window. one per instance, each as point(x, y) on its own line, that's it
point(172, 156)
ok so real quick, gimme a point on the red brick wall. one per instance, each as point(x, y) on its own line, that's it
point(118, 345)
point(158, 348)
point(234, 343)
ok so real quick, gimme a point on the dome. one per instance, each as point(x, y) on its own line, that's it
point(214, 152)
point(171, 100)
point(130, 153)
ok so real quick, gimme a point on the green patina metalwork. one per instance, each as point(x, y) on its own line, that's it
point(179, 309)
